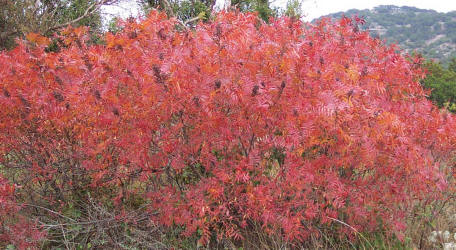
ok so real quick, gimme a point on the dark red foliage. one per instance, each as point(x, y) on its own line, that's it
point(15, 228)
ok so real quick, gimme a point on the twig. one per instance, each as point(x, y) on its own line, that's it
point(168, 8)
point(64, 237)
point(49, 210)
point(352, 228)
point(89, 11)
point(192, 19)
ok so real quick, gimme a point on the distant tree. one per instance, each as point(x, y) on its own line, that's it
point(184, 10)
point(294, 8)
point(263, 7)
point(452, 64)
point(202, 9)
point(442, 83)
point(19, 17)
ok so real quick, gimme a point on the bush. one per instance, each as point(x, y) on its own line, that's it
point(236, 125)
point(15, 228)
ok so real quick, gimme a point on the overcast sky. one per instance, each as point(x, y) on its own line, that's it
point(312, 8)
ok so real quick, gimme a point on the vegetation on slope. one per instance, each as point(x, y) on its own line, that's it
point(427, 31)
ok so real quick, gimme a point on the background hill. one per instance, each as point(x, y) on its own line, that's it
point(430, 32)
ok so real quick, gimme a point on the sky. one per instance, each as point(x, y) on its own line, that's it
point(311, 8)
point(124, 9)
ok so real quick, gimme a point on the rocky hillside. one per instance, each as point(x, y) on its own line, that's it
point(430, 32)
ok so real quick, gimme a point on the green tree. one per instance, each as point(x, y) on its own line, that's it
point(186, 10)
point(452, 64)
point(19, 17)
point(294, 8)
point(442, 82)
point(263, 7)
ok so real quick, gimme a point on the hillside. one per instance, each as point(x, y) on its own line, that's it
point(430, 32)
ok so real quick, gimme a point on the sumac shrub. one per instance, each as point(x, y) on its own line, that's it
point(14, 227)
point(234, 123)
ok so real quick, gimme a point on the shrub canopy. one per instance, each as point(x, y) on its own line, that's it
point(236, 123)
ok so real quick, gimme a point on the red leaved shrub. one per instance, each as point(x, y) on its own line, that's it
point(236, 122)
point(15, 228)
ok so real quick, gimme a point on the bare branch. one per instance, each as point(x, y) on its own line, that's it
point(168, 8)
point(89, 11)
point(193, 19)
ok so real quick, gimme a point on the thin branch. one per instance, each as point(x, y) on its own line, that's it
point(184, 24)
point(49, 210)
point(352, 228)
point(192, 20)
point(243, 147)
point(168, 8)
point(89, 11)
point(6, 34)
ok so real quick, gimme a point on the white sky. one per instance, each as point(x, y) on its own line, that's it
point(124, 9)
point(311, 8)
